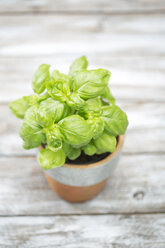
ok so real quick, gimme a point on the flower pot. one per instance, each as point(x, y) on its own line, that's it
point(78, 183)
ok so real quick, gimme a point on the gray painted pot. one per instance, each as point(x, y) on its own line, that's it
point(87, 175)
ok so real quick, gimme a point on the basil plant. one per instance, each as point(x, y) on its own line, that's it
point(68, 114)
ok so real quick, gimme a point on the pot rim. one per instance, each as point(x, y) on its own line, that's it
point(109, 157)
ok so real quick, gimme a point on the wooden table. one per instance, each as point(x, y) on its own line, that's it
point(128, 38)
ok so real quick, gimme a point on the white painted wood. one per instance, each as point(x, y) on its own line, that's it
point(105, 6)
point(133, 79)
point(13, 89)
point(140, 231)
point(137, 186)
point(124, 35)
point(132, 47)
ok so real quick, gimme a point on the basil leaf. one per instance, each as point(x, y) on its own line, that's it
point(75, 153)
point(106, 94)
point(67, 148)
point(77, 112)
point(92, 108)
point(98, 126)
point(50, 111)
point(89, 149)
point(42, 97)
point(60, 77)
point(90, 84)
point(75, 130)
point(115, 120)
point(58, 90)
point(105, 143)
point(75, 101)
point(49, 159)
point(93, 105)
point(31, 131)
point(70, 152)
point(78, 65)
point(53, 138)
point(20, 106)
point(32, 135)
point(41, 76)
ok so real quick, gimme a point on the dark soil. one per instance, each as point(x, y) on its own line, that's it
point(84, 159)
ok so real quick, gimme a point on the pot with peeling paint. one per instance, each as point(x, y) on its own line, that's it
point(78, 183)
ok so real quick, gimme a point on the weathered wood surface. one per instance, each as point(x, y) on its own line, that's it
point(124, 35)
point(101, 6)
point(136, 231)
point(137, 186)
point(134, 79)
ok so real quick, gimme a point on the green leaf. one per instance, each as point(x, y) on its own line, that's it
point(115, 120)
point(89, 149)
point(66, 148)
point(75, 101)
point(41, 76)
point(106, 94)
point(75, 153)
point(58, 87)
point(105, 143)
point(31, 131)
point(53, 138)
point(50, 111)
point(32, 136)
point(75, 130)
point(92, 108)
point(43, 97)
point(90, 84)
point(70, 113)
point(31, 99)
point(60, 77)
point(20, 106)
point(58, 90)
point(78, 65)
point(98, 126)
point(49, 159)
point(70, 152)
point(104, 102)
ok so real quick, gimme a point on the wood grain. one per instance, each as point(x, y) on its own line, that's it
point(140, 231)
point(103, 6)
point(137, 186)
point(133, 79)
point(124, 35)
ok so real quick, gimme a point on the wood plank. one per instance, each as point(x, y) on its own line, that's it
point(146, 131)
point(133, 78)
point(101, 6)
point(137, 186)
point(124, 35)
point(140, 231)
point(13, 89)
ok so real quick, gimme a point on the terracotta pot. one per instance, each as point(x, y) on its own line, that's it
point(78, 183)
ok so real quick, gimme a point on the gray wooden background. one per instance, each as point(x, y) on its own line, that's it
point(128, 38)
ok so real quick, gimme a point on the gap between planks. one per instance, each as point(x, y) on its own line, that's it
point(83, 214)
point(83, 13)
